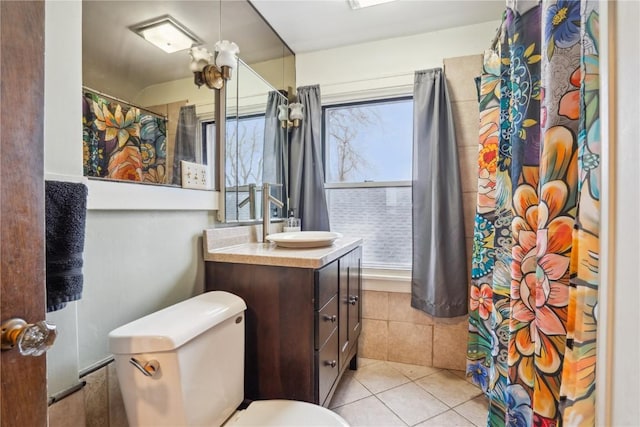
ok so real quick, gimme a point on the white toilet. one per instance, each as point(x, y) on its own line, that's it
point(184, 366)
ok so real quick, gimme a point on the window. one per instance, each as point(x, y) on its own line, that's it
point(368, 152)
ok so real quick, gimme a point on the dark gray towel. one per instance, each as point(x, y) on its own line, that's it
point(65, 215)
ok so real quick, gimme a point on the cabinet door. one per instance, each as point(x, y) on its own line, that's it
point(354, 296)
point(343, 309)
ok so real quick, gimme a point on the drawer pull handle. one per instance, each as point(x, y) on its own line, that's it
point(331, 319)
point(353, 299)
point(331, 363)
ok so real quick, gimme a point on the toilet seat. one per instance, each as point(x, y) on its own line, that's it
point(285, 413)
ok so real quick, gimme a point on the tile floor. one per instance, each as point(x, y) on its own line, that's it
point(383, 393)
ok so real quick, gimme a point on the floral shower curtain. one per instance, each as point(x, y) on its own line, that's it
point(533, 299)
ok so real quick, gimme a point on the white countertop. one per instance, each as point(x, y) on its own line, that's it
point(270, 254)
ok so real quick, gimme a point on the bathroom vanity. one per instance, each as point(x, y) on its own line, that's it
point(303, 314)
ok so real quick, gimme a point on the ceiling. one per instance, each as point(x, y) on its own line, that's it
point(120, 63)
point(309, 25)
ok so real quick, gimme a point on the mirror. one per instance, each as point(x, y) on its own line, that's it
point(146, 93)
point(256, 146)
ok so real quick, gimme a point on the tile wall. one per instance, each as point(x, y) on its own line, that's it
point(98, 404)
point(391, 329)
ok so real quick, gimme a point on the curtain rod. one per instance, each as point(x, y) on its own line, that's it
point(106, 95)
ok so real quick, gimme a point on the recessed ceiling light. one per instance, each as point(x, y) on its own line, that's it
point(359, 4)
point(167, 34)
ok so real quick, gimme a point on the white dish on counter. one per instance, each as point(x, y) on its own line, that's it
point(304, 239)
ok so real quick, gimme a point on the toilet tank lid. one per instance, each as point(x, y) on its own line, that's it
point(171, 327)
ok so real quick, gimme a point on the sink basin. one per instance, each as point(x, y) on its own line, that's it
point(304, 239)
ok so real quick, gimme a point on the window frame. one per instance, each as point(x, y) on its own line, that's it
point(362, 184)
point(395, 278)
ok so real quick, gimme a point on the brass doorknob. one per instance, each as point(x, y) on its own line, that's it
point(32, 339)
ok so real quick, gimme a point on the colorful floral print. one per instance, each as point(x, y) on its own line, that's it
point(533, 346)
point(562, 27)
point(126, 164)
point(119, 142)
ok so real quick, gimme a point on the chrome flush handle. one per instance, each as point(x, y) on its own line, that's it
point(148, 369)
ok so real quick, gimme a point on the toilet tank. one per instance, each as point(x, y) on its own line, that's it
point(199, 347)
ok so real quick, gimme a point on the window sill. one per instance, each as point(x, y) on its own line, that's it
point(386, 280)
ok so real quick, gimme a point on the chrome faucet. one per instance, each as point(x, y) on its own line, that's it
point(251, 199)
point(267, 199)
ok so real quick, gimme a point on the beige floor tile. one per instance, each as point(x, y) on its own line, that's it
point(349, 390)
point(410, 343)
point(364, 361)
point(449, 388)
point(461, 374)
point(447, 419)
point(368, 412)
point(475, 410)
point(380, 377)
point(414, 372)
point(411, 403)
point(375, 305)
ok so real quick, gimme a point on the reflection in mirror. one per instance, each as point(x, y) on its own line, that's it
point(256, 145)
point(148, 114)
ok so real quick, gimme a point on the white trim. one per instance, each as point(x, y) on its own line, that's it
point(366, 184)
point(390, 86)
point(386, 280)
point(78, 179)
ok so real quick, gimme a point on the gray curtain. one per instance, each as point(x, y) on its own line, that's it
point(185, 143)
point(439, 276)
point(274, 166)
point(307, 172)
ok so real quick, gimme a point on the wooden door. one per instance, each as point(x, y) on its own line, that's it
point(23, 395)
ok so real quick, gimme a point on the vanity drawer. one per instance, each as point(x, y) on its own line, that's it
point(326, 322)
point(326, 283)
point(327, 363)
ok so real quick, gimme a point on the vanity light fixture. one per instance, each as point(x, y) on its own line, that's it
point(290, 120)
point(360, 4)
point(296, 114)
point(214, 75)
point(167, 34)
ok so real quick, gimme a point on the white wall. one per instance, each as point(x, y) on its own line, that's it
point(625, 309)
point(135, 261)
point(386, 67)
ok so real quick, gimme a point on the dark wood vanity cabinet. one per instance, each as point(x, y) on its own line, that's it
point(302, 324)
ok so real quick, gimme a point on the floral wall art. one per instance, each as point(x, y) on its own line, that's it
point(121, 142)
